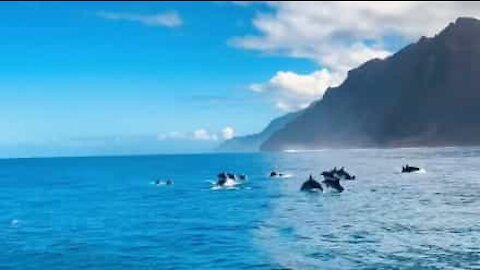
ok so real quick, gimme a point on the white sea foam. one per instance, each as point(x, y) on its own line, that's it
point(421, 171)
point(229, 184)
point(218, 187)
point(14, 222)
point(303, 150)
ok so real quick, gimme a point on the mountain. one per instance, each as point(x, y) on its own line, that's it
point(427, 94)
point(251, 143)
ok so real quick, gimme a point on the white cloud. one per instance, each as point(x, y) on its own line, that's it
point(342, 59)
point(313, 29)
point(173, 135)
point(203, 134)
point(292, 91)
point(308, 85)
point(167, 19)
point(228, 133)
point(200, 134)
point(288, 106)
point(339, 36)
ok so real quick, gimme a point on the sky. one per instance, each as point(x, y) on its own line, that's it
point(107, 78)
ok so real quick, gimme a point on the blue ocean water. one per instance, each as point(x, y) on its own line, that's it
point(104, 212)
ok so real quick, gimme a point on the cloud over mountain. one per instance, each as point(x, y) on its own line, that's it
point(339, 36)
point(292, 91)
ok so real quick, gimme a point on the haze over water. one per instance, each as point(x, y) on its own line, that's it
point(104, 213)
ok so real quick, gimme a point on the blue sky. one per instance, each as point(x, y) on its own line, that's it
point(139, 77)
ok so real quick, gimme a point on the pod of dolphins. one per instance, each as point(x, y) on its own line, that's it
point(331, 179)
point(229, 179)
point(276, 174)
point(167, 183)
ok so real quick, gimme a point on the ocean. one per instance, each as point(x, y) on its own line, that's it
point(106, 213)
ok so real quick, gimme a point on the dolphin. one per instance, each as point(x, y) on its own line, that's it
point(341, 174)
point(408, 169)
point(226, 179)
point(331, 181)
point(311, 185)
point(276, 174)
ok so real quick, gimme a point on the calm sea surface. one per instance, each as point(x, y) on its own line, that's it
point(105, 213)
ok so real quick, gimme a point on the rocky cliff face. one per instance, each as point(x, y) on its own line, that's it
point(427, 94)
